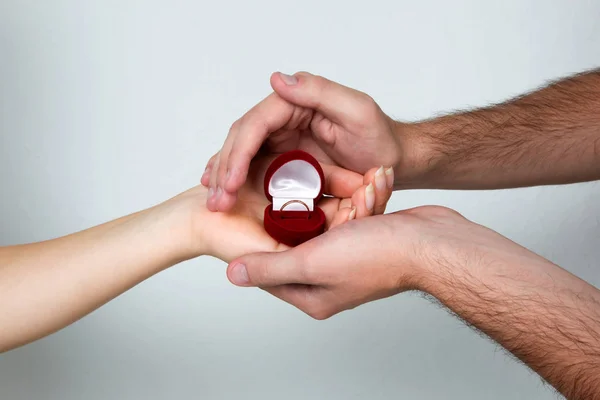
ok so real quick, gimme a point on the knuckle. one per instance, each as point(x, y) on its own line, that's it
point(319, 80)
point(321, 84)
point(435, 211)
point(251, 123)
point(369, 108)
point(239, 157)
point(235, 126)
point(367, 100)
point(262, 275)
point(255, 124)
point(317, 308)
point(213, 159)
point(440, 211)
point(238, 152)
point(319, 313)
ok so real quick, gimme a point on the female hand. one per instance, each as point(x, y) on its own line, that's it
point(59, 281)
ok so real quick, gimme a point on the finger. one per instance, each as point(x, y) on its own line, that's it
point(364, 200)
point(213, 193)
point(341, 216)
point(330, 207)
point(205, 180)
point(225, 200)
point(373, 196)
point(267, 269)
point(337, 102)
point(340, 182)
point(345, 203)
point(305, 264)
point(268, 116)
point(390, 178)
point(383, 192)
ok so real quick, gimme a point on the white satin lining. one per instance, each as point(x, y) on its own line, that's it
point(295, 180)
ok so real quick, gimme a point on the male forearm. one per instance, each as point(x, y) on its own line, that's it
point(549, 136)
point(542, 314)
point(48, 285)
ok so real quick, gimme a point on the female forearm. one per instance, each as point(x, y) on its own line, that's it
point(48, 285)
point(549, 136)
point(542, 314)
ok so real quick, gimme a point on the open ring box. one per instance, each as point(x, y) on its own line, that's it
point(294, 185)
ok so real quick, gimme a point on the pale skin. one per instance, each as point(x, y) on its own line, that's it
point(48, 285)
point(545, 316)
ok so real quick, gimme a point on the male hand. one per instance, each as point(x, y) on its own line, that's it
point(338, 125)
point(365, 260)
point(417, 249)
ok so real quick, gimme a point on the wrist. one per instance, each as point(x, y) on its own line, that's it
point(426, 247)
point(417, 155)
point(405, 247)
point(182, 221)
point(454, 252)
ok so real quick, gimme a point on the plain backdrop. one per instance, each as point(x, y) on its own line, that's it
point(108, 107)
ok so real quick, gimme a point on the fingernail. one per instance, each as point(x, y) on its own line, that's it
point(352, 214)
point(389, 176)
point(219, 191)
point(211, 193)
point(288, 79)
point(370, 197)
point(239, 274)
point(380, 180)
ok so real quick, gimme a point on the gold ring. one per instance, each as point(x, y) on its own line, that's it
point(298, 202)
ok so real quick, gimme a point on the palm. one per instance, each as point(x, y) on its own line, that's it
point(285, 140)
point(241, 230)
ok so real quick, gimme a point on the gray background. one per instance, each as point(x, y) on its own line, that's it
point(108, 107)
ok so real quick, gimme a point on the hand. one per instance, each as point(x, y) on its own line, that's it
point(58, 281)
point(370, 259)
point(542, 314)
point(241, 231)
point(338, 125)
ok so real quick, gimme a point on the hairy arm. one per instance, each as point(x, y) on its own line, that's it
point(539, 312)
point(545, 316)
point(549, 136)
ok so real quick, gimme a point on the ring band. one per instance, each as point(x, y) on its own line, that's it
point(297, 202)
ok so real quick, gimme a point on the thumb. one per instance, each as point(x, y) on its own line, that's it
point(336, 102)
point(266, 269)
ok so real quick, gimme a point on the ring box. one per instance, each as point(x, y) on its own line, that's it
point(294, 185)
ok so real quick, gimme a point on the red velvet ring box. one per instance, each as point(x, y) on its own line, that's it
point(294, 185)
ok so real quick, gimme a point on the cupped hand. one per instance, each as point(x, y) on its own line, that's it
point(370, 259)
point(338, 125)
point(240, 231)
